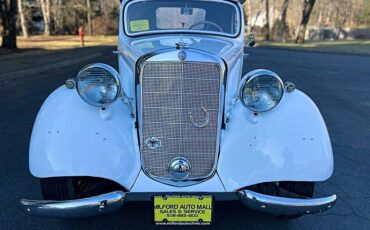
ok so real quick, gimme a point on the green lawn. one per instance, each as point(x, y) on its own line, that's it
point(353, 47)
point(70, 42)
point(59, 42)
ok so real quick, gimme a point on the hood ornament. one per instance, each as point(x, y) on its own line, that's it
point(206, 119)
point(181, 44)
point(179, 168)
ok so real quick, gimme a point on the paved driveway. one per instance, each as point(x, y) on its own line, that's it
point(339, 84)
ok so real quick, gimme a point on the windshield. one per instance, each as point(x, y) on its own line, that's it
point(156, 16)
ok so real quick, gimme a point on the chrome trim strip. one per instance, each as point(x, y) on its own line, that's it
point(235, 4)
point(196, 56)
point(80, 208)
point(285, 206)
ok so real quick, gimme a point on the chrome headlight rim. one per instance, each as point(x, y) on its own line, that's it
point(253, 75)
point(112, 72)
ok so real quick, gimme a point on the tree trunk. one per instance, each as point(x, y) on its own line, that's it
point(319, 20)
point(255, 21)
point(307, 9)
point(23, 19)
point(318, 25)
point(250, 16)
point(272, 14)
point(89, 22)
point(246, 17)
point(267, 25)
point(58, 17)
point(45, 7)
point(283, 19)
point(8, 14)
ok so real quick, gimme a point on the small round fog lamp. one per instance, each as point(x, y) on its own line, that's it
point(70, 83)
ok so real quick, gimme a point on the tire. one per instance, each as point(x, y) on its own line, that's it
point(288, 190)
point(59, 188)
point(302, 189)
point(69, 188)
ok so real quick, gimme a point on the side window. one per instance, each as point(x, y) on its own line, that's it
point(186, 17)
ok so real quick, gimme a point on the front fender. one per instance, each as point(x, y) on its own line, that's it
point(288, 143)
point(72, 138)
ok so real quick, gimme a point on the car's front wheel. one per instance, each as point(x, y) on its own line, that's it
point(69, 188)
point(288, 190)
point(302, 189)
point(60, 188)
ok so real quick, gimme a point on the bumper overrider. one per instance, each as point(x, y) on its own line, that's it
point(110, 202)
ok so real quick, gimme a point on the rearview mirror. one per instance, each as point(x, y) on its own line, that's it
point(186, 11)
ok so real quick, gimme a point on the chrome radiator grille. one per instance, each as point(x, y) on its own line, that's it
point(170, 91)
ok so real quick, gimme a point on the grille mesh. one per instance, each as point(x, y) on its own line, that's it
point(170, 90)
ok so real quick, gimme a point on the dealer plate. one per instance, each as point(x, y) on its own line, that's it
point(183, 210)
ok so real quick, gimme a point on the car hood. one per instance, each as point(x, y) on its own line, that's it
point(225, 48)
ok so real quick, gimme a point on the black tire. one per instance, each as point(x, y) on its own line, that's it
point(302, 189)
point(69, 188)
point(58, 188)
point(288, 190)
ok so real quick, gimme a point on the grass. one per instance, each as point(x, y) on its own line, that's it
point(349, 47)
point(71, 42)
point(59, 42)
point(63, 42)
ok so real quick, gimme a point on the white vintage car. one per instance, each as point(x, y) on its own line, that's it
point(178, 125)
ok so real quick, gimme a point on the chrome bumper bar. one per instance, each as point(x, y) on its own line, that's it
point(286, 206)
point(80, 208)
point(111, 202)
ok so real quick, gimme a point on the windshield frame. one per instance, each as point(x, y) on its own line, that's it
point(177, 31)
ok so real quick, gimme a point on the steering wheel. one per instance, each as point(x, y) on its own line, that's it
point(207, 23)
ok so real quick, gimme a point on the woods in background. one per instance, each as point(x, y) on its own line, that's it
point(313, 19)
point(59, 17)
point(56, 17)
point(282, 20)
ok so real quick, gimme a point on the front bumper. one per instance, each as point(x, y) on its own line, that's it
point(80, 208)
point(110, 202)
point(286, 206)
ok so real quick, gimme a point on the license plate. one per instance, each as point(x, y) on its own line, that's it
point(183, 210)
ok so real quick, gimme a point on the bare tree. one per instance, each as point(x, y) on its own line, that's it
point(8, 14)
point(45, 7)
point(250, 15)
point(272, 15)
point(23, 19)
point(284, 11)
point(306, 13)
point(253, 25)
point(247, 16)
point(89, 21)
point(58, 16)
point(267, 25)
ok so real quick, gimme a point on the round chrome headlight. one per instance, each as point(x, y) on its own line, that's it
point(98, 84)
point(261, 90)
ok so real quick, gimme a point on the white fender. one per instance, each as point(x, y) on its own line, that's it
point(288, 143)
point(72, 138)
